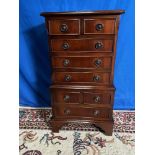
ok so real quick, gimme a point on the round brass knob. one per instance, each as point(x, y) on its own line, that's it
point(67, 111)
point(96, 112)
point(67, 77)
point(63, 28)
point(98, 62)
point(66, 98)
point(99, 27)
point(98, 45)
point(65, 46)
point(97, 99)
point(66, 62)
point(96, 78)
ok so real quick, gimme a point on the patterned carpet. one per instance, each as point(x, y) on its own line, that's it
point(37, 138)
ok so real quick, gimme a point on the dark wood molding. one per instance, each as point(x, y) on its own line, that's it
point(81, 13)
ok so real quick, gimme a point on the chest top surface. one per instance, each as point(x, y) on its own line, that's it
point(99, 12)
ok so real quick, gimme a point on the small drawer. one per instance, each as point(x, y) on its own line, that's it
point(77, 111)
point(102, 98)
point(67, 97)
point(82, 45)
point(64, 27)
point(99, 26)
point(82, 62)
point(81, 77)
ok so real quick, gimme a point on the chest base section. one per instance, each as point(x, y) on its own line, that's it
point(105, 126)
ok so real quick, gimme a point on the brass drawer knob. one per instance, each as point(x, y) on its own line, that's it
point(66, 98)
point(66, 62)
point(65, 46)
point(96, 112)
point(67, 77)
point(96, 78)
point(63, 28)
point(99, 27)
point(98, 45)
point(98, 62)
point(67, 111)
point(97, 99)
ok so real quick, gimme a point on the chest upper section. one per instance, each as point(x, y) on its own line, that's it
point(90, 23)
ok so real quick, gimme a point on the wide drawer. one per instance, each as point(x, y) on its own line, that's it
point(83, 44)
point(82, 62)
point(64, 27)
point(85, 97)
point(81, 77)
point(99, 26)
point(77, 111)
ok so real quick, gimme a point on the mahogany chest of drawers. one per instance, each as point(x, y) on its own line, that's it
point(82, 47)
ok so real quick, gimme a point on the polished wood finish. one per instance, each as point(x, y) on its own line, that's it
point(66, 27)
point(82, 48)
point(101, 98)
point(82, 44)
point(83, 13)
point(81, 77)
point(99, 26)
point(81, 111)
point(82, 62)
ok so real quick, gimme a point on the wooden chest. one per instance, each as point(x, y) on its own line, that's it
point(82, 48)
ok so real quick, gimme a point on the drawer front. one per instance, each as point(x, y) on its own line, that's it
point(67, 97)
point(75, 111)
point(97, 98)
point(81, 77)
point(99, 26)
point(82, 45)
point(82, 62)
point(74, 96)
point(64, 27)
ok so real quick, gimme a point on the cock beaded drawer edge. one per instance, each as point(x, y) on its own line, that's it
point(82, 47)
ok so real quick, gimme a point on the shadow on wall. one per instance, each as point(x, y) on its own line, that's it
point(37, 42)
